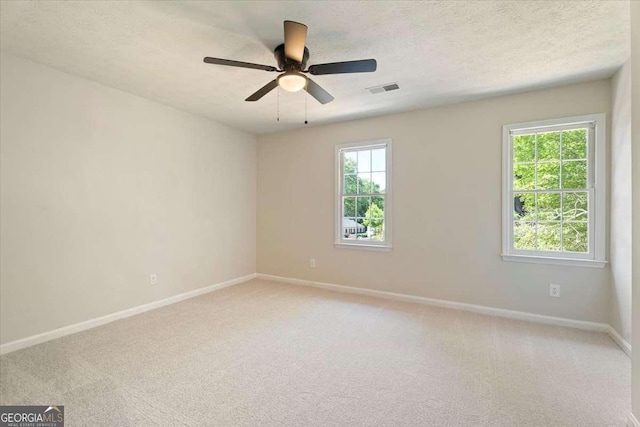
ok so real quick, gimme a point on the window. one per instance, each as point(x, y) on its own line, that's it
point(554, 191)
point(363, 197)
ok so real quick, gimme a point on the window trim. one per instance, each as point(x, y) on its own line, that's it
point(339, 241)
point(597, 195)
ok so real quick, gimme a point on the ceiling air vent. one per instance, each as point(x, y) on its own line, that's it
point(383, 88)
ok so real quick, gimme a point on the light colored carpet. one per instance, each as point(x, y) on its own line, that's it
point(264, 353)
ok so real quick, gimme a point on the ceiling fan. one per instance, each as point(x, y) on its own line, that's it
point(292, 57)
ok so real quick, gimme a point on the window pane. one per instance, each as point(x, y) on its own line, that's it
point(375, 229)
point(576, 206)
point(350, 184)
point(362, 229)
point(373, 217)
point(574, 144)
point(549, 146)
point(524, 177)
point(379, 182)
point(552, 200)
point(364, 183)
point(524, 206)
point(379, 202)
point(350, 228)
point(363, 204)
point(524, 148)
point(378, 160)
point(524, 235)
point(374, 211)
point(548, 176)
point(350, 162)
point(364, 161)
point(549, 236)
point(574, 174)
point(549, 207)
point(575, 237)
point(349, 207)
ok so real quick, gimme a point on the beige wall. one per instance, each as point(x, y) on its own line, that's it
point(447, 207)
point(621, 201)
point(635, 150)
point(100, 188)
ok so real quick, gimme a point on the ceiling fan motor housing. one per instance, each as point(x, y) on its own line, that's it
point(286, 64)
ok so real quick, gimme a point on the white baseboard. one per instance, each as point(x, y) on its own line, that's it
point(632, 421)
point(92, 323)
point(491, 311)
point(511, 314)
point(622, 343)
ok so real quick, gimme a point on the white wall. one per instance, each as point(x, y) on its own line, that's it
point(621, 201)
point(447, 207)
point(99, 188)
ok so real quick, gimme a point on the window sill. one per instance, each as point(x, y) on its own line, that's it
point(555, 261)
point(364, 247)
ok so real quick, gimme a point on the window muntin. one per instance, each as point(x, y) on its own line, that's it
point(363, 194)
point(551, 185)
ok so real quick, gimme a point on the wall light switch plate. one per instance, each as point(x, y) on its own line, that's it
point(312, 263)
point(153, 279)
point(554, 290)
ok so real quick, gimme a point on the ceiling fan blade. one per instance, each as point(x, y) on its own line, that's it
point(317, 92)
point(295, 37)
point(231, 63)
point(263, 91)
point(362, 66)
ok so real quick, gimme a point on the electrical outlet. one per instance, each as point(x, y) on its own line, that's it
point(554, 290)
point(312, 263)
point(153, 279)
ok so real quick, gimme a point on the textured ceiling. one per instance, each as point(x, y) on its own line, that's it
point(439, 52)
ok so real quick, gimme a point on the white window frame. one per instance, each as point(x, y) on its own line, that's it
point(596, 166)
point(373, 245)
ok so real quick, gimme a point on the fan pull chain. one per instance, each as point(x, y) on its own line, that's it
point(278, 115)
point(306, 98)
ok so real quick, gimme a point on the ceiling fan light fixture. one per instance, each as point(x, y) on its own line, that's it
point(292, 81)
